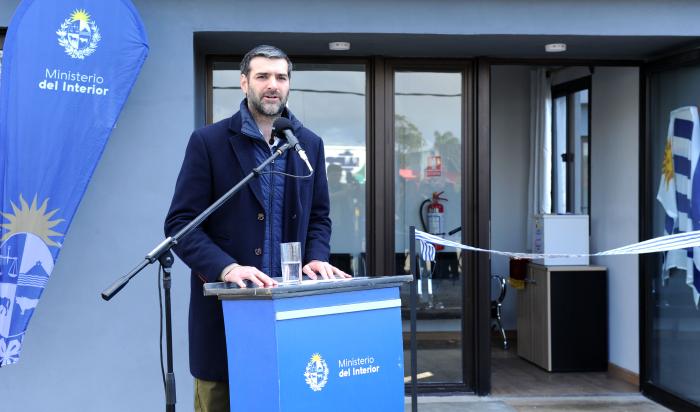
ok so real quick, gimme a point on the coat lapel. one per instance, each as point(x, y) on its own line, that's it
point(245, 153)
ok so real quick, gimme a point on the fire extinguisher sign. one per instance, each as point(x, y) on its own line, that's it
point(434, 167)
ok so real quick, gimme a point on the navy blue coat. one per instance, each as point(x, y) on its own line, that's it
point(217, 157)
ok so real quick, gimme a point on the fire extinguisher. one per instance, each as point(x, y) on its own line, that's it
point(435, 216)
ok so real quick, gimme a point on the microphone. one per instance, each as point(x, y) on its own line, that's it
point(282, 127)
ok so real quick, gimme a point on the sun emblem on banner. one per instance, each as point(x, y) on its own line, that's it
point(26, 264)
point(78, 35)
point(31, 219)
point(667, 165)
point(316, 373)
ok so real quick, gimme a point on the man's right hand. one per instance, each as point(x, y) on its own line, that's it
point(237, 274)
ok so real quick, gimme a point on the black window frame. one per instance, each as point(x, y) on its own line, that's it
point(3, 32)
point(380, 187)
point(567, 90)
point(475, 202)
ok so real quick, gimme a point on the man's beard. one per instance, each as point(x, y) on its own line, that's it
point(269, 109)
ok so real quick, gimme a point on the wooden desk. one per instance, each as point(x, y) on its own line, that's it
point(563, 318)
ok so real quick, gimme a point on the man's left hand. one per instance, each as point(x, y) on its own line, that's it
point(325, 269)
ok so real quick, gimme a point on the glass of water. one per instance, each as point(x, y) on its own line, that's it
point(291, 262)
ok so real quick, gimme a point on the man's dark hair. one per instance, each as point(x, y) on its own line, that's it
point(270, 52)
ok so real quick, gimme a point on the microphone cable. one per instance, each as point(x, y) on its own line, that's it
point(160, 341)
point(274, 172)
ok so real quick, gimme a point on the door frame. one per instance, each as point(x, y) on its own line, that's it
point(379, 230)
point(648, 263)
point(484, 356)
point(475, 202)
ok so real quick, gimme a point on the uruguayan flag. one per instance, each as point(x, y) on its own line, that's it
point(676, 191)
point(427, 251)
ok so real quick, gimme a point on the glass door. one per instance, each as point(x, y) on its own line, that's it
point(331, 99)
point(400, 144)
point(428, 110)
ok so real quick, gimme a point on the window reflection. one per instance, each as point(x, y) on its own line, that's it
point(560, 151)
point(674, 338)
point(570, 153)
point(330, 99)
point(427, 153)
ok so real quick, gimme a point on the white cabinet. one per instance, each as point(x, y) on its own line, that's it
point(565, 234)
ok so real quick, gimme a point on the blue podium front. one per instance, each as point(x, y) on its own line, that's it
point(315, 346)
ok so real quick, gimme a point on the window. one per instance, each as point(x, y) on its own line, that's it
point(428, 163)
point(395, 132)
point(671, 333)
point(571, 147)
point(332, 98)
point(2, 43)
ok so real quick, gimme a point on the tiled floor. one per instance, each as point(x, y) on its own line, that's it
point(518, 385)
point(514, 376)
point(615, 403)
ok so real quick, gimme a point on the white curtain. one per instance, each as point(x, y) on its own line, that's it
point(539, 181)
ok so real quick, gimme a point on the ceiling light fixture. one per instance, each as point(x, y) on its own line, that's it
point(555, 47)
point(339, 45)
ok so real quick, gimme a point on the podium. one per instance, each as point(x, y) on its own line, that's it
point(320, 345)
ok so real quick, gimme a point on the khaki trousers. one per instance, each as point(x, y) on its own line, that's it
point(211, 396)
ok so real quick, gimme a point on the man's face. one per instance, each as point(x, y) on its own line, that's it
point(266, 86)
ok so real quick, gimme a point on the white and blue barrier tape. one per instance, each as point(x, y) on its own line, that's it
point(657, 244)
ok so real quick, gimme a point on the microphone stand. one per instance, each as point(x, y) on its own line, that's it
point(164, 256)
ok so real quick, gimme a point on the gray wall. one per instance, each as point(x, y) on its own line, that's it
point(510, 143)
point(615, 202)
point(615, 17)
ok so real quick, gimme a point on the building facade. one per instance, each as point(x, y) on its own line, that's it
point(430, 97)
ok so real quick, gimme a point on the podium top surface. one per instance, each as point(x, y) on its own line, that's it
point(226, 291)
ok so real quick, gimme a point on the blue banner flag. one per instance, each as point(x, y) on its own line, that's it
point(68, 67)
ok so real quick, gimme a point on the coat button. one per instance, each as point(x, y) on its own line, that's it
point(258, 251)
point(294, 216)
point(261, 216)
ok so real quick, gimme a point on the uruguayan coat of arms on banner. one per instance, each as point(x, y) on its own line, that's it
point(79, 35)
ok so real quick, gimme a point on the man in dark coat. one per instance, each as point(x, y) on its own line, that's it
point(240, 241)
